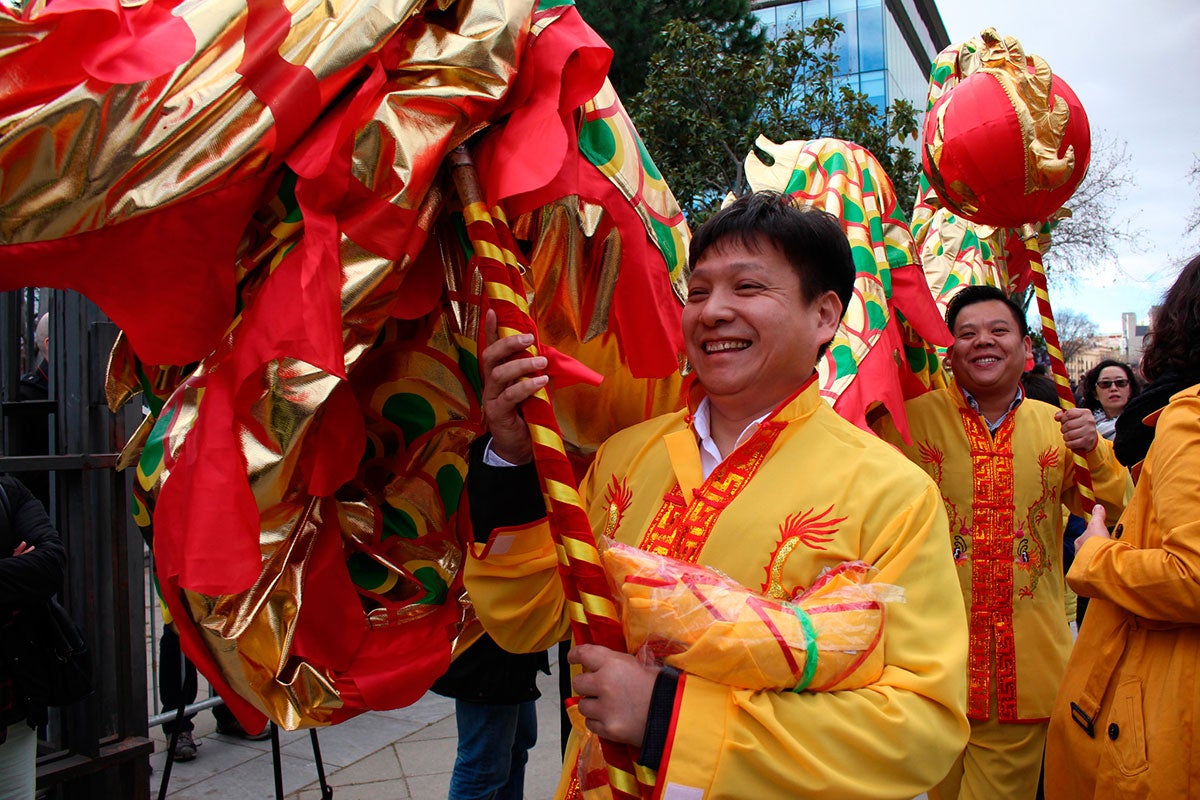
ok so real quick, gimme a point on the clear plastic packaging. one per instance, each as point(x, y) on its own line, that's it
point(703, 623)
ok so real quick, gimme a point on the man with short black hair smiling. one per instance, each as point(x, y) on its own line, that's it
point(1004, 466)
point(758, 478)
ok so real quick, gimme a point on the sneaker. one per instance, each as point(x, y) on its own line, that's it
point(234, 728)
point(185, 746)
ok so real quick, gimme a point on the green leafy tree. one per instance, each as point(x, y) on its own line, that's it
point(704, 107)
point(632, 27)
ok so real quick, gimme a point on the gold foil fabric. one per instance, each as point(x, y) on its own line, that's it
point(339, 115)
point(118, 151)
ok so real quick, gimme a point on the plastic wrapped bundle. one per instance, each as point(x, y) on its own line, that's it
point(703, 623)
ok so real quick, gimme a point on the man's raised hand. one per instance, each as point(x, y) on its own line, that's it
point(1078, 429)
point(510, 377)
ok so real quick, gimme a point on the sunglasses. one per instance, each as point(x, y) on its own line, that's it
point(1120, 383)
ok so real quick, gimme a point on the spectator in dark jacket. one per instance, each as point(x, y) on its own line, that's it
point(29, 433)
point(494, 690)
point(495, 694)
point(32, 561)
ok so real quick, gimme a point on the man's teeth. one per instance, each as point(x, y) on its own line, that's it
point(717, 347)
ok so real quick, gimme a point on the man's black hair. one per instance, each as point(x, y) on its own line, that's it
point(970, 295)
point(811, 240)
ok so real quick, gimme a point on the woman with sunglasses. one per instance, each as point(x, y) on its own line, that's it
point(1107, 387)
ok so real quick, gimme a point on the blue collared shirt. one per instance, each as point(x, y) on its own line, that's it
point(994, 426)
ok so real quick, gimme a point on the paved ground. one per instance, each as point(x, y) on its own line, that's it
point(405, 754)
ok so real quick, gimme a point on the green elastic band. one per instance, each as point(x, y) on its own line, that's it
point(810, 649)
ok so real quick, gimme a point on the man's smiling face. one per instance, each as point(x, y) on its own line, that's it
point(751, 334)
point(989, 351)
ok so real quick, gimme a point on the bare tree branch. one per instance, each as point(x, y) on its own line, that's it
point(1192, 225)
point(1098, 224)
point(1075, 332)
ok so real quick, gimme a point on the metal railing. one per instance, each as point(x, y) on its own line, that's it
point(99, 746)
point(154, 632)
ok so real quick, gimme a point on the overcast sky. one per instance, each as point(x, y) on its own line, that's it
point(1133, 67)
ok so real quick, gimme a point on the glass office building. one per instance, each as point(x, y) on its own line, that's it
point(886, 50)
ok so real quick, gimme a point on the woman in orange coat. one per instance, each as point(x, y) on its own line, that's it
point(1124, 724)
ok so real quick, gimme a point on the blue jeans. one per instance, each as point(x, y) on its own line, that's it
point(493, 745)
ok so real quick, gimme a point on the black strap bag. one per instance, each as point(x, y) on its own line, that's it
point(44, 651)
point(47, 656)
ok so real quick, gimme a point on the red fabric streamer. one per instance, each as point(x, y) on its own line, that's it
point(535, 160)
point(92, 40)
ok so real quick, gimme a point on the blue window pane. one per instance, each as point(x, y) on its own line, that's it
point(874, 86)
point(845, 12)
point(789, 17)
point(814, 10)
point(766, 17)
point(870, 35)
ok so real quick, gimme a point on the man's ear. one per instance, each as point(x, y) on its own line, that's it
point(1028, 347)
point(829, 313)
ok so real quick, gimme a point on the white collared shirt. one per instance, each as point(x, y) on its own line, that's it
point(710, 456)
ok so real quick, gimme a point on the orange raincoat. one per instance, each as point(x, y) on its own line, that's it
point(1134, 675)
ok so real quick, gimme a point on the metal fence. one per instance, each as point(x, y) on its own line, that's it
point(98, 747)
point(206, 697)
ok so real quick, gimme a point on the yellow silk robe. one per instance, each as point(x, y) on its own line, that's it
point(1003, 495)
point(807, 491)
point(1135, 670)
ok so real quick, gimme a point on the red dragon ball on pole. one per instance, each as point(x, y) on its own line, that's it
point(1005, 145)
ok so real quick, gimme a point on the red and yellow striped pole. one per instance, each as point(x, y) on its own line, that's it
point(1058, 366)
point(589, 600)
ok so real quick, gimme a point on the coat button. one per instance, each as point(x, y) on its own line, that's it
point(1114, 730)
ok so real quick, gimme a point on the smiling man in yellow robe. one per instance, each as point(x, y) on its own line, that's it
point(1004, 466)
point(759, 479)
